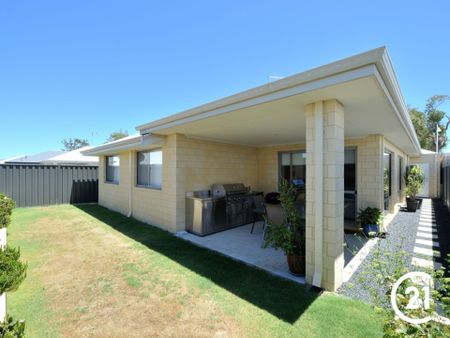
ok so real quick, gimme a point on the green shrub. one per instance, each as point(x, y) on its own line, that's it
point(378, 278)
point(289, 236)
point(370, 216)
point(11, 328)
point(12, 270)
point(414, 178)
point(6, 207)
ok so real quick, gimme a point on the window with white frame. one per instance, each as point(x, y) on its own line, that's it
point(112, 169)
point(149, 169)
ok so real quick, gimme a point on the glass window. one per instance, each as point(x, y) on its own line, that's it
point(112, 169)
point(350, 169)
point(293, 167)
point(400, 171)
point(149, 169)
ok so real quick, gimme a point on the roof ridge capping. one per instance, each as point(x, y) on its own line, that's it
point(343, 65)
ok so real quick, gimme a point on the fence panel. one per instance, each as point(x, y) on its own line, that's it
point(446, 184)
point(37, 184)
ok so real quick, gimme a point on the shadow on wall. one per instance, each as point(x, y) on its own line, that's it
point(84, 191)
point(282, 298)
point(442, 216)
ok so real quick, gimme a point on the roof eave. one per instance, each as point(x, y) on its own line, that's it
point(377, 57)
point(135, 143)
point(334, 68)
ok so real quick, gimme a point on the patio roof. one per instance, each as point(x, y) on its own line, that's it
point(273, 114)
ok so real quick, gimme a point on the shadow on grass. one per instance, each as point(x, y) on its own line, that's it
point(282, 298)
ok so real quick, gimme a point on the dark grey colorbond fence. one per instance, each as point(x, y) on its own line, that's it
point(446, 184)
point(33, 185)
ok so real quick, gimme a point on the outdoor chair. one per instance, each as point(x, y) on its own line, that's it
point(259, 211)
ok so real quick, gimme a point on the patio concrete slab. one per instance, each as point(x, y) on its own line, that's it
point(240, 244)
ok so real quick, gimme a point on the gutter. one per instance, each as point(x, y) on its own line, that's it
point(137, 142)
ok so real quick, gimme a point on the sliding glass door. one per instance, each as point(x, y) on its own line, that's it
point(350, 191)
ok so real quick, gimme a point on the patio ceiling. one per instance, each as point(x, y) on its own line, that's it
point(274, 114)
point(282, 121)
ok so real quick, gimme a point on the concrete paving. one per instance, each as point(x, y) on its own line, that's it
point(238, 243)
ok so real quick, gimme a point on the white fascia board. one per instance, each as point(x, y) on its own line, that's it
point(354, 74)
point(322, 72)
point(394, 94)
point(139, 142)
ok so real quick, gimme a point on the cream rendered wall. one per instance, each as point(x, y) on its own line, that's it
point(434, 172)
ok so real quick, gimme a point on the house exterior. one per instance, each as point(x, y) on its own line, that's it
point(74, 157)
point(32, 159)
point(343, 128)
point(55, 157)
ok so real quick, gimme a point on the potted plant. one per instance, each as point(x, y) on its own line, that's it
point(414, 178)
point(289, 236)
point(370, 220)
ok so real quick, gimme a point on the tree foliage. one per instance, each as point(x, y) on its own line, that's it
point(11, 328)
point(426, 121)
point(12, 270)
point(74, 143)
point(6, 207)
point(117, 135)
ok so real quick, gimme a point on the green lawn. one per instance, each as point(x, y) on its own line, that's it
point(93, 272)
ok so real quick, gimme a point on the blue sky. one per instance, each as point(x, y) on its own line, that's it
point(87, 68)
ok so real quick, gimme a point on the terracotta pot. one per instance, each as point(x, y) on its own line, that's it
point(296, 264)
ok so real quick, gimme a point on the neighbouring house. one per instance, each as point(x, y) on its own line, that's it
point(341, 129)
point(55, 157)
point(32, 159)
point(74, 157)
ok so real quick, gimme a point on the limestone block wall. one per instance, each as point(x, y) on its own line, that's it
point(199, 164)
point(114, 196)
point(268, 165)
point(158, 206)
point(153, 206)
point(397, 190)
point(325, 208)
point(369, 170)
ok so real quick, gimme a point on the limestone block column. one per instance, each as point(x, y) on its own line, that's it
point(325, 194)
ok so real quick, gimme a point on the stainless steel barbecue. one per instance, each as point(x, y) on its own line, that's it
point(224, 207)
